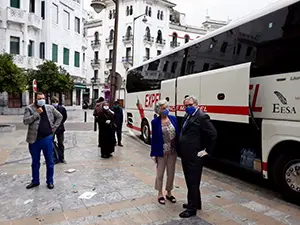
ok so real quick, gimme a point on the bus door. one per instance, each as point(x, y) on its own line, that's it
point(222, 93)
point(168, 92)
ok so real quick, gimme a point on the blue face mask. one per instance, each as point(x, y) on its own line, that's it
point(165, 112)
point(190, 110)
point(41, 102)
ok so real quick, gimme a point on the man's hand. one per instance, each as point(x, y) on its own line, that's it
point(202, 153)
point(39, 110)
point(107, 121)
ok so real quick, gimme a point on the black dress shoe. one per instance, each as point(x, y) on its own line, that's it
point(63, 161)
point(32, 185)
point(185, 207)
point(50, 186)
point(187, 214)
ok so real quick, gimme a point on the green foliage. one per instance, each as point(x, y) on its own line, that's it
point(50, 78)
point(12, 78)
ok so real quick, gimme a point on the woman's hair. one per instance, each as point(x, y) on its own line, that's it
point(159, 104)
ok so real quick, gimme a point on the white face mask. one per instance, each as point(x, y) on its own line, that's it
point(55, 104)
point(41, 102)
point(105, 107)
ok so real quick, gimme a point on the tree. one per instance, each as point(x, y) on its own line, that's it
point(12, 78)
point(51, 79)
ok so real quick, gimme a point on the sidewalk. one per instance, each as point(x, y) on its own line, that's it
point(123, 187)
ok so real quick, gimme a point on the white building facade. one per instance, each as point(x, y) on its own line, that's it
point(38, 30)
point(146, 29)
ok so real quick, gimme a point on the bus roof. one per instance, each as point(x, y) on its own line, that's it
point(271, 8)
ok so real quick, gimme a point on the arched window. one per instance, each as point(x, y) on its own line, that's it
point(158, 14)
point(96, 36)
point(148, 33)
point(150, 11)
point(159, 37)
point(186, 38)
point(162, 15)
point(128, 32)
point(111, 35)
point(174, 40)
point(146, 11)
point(127, 11)
point(110, 14)
point(131, 10)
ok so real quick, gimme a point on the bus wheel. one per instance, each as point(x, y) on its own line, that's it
point(286, 174)
point(146, 132)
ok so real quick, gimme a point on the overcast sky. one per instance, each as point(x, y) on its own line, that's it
point(196, 10)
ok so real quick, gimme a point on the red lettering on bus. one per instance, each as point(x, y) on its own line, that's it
point(151, 99)
point(254, 107)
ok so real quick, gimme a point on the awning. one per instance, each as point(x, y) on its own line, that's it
point(79, 86)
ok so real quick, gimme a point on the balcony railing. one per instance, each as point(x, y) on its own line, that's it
point(95, 63)
point(34, 21)
point(109, 41)
point(16, 15)
point(148, 39)
point(95, 81)
point(161, 42)
point(33, 62)
point(128, 39)
point(127, 59)
point(145, 58)
point(108, 62)
point(95, 44)
point(20, 61)
point(174, 44)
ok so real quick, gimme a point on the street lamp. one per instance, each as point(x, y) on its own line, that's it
point(98, 6)
point(133, 28)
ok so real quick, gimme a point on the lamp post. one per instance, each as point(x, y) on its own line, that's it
point(98, 6)
point(133, 28)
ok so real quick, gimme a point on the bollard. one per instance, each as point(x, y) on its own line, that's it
point(95, 124)
point(85, 116)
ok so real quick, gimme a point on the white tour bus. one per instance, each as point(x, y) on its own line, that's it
point(246, 76)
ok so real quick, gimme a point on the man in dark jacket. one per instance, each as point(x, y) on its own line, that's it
point(60, 130)
point(197, 140)
point(118, 121)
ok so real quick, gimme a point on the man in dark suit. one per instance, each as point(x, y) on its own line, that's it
point(60, 130)
point(197, 140)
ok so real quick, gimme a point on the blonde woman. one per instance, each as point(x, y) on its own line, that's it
point(164, 147)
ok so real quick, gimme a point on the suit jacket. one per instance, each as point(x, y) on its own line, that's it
point(196, 135)
point(157, 141)
point(63, 112)
point(32, 119)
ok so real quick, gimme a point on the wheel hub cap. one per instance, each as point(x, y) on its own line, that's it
point(292, 176)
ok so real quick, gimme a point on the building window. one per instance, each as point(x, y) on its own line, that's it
point(128, 52)
point(54, 53)
point(146, 11)
point(147, 51)
point(110, 15)
point(54, 13)
point(111, 35)
point(77, 59)
point(96, 75)
point(224, 47)
point(96, 55)
point(186, 38)
point(66, 20)
point(15, 3)
point(158, 52)
point(131, 10)
point(32, 6)
point(14, 45)
point(148, 34)
point(174, 40)
point(42, 50)
point(127, 11)
point(30, 48)
point(96, 36)
point(162, 15)
point(150, 12)
point(77, 25)
point(66, 56)
point(158, 14)
point(159, 37)
point(43, 10)
point(83, 57)
point(110, 55)
point(129, 32)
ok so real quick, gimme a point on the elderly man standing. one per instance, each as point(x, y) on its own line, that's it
point(42, 121)
point(197, 140)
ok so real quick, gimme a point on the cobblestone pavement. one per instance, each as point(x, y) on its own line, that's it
point(123, 188)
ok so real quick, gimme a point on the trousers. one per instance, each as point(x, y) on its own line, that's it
point(168, 163)
point(46, 145)
point(192, 169)
point(118, 130)
point(61, 147)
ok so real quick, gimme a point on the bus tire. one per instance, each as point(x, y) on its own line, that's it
point(145, 132)
point(286, 175)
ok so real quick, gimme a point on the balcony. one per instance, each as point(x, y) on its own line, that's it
point(95, 63)
point(109, 41)
point(127, 59)
point(174, 44)
point(128, 39)
point(148, 40)
point(33, 62)
point(96, 44)
point(34, 21)
point(108, 62)
point(160, 43)
point(16, 15)
point(145, 58)
point(20, 61)
point(97, 80)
